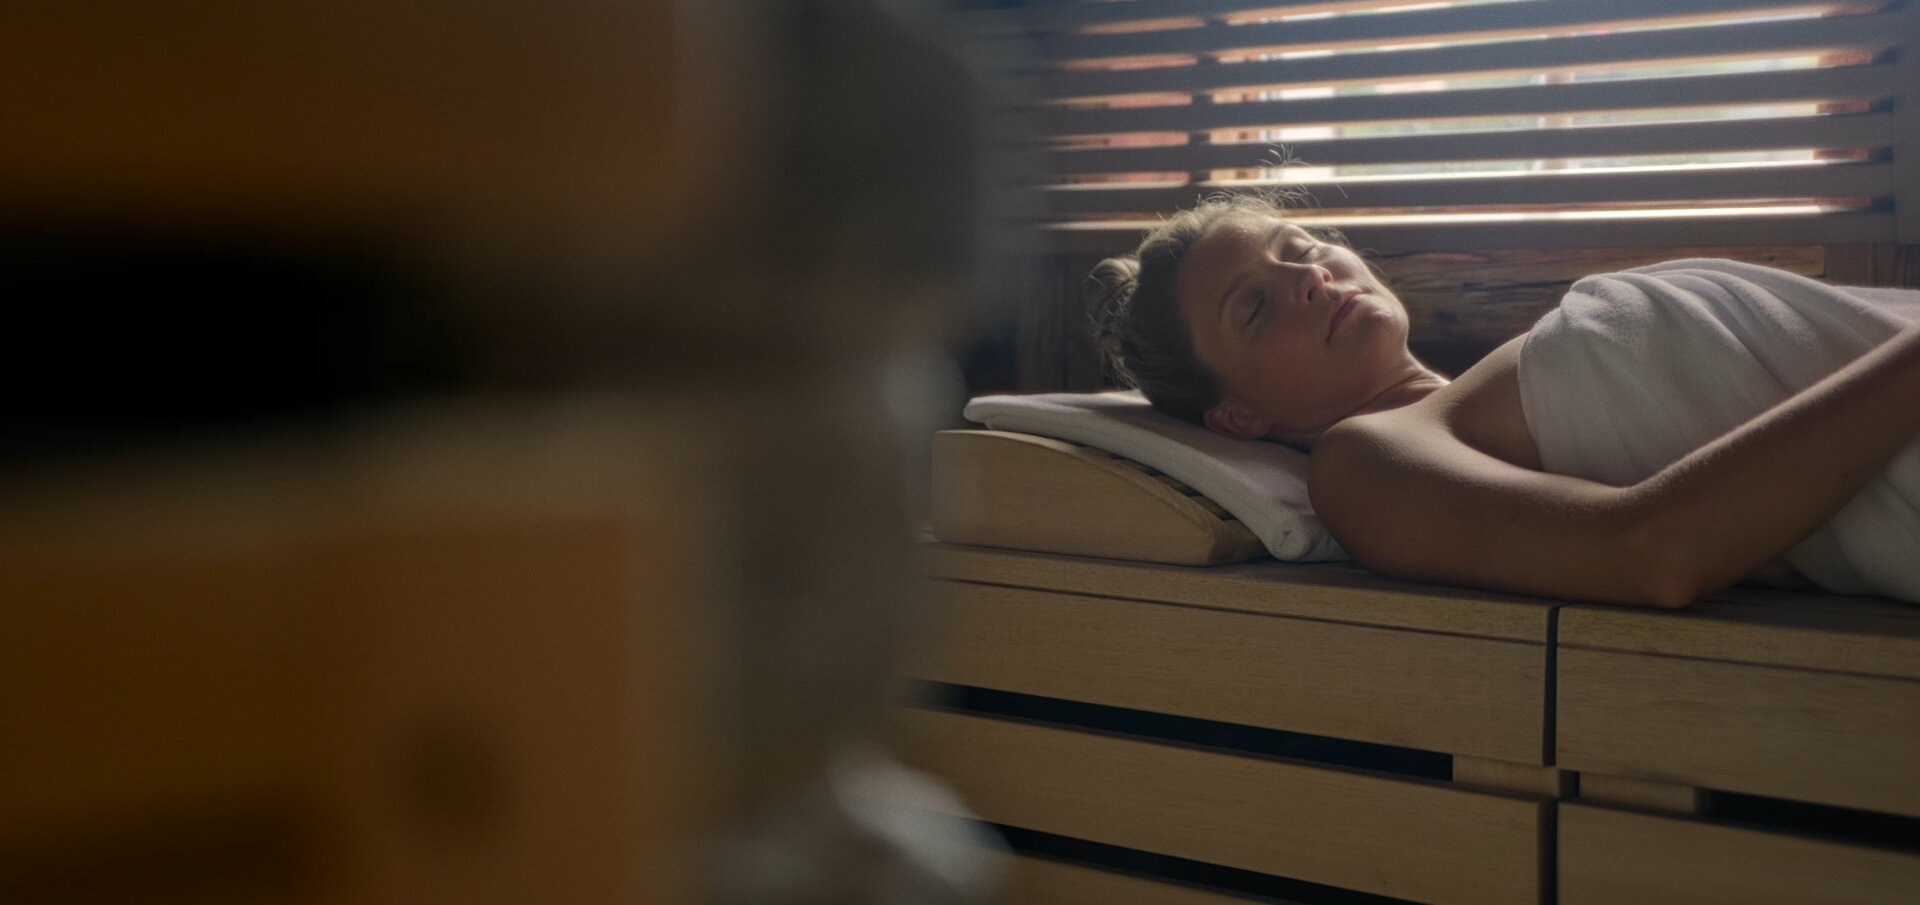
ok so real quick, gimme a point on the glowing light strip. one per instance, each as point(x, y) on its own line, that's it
point(1779, 210)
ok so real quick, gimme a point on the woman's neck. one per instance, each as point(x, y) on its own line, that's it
point(1416, 384)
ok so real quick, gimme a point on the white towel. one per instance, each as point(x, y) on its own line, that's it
point(1263, 484)
point(1637, 369)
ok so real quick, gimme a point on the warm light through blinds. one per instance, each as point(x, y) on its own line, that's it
point(1465, 122)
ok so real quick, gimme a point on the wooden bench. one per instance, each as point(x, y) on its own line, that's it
point(1150, 732)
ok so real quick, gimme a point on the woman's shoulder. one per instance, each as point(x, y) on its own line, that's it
point(1478, 412)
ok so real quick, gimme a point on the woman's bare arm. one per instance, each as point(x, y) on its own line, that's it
point(1408, 498)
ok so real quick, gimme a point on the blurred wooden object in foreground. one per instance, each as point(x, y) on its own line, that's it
point(438, 661)
point(580, 582)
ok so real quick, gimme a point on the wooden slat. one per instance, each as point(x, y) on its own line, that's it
point(139, 687)
point(1469, 237)
point(1826, 738)
point(348, 638)
point(1832, 633)
point(1340, 593)
point(1907, 125)
point(1033, 493)
point(1499, 275)
point(1424, 841)
point(1884, 264)
point(1060, 16)
point(1653, 233)
point(1481, 299)
point(1034, 881)
point(1507, 776)
point(1847, 131)
point(1641, 794)
point(1426, 690)
point(1549, 17)
point(1608, 857)
point(1871, 83)
point(1564, 187)
point(1869, 33)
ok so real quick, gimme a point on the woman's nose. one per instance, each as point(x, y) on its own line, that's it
point(1312, 279)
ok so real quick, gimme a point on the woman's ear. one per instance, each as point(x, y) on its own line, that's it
point(1236, 421)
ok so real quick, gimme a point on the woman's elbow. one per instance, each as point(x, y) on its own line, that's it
point(1658, 571)
point(1667, 591)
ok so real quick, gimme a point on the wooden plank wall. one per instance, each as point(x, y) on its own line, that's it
point(1461, 304)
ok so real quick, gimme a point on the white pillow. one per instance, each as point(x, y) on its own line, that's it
point(1263, 484)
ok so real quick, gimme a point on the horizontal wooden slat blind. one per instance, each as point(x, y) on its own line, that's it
point(1438, 126)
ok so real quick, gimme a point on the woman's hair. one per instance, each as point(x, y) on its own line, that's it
point(1136, 315)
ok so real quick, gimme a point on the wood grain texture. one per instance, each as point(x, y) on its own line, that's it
point(1424, 841)
point(1907, 126)
point(1483, 298)
point(1827, 738)
point(1620, 791)
point(1422, 690)
point(1508, 776)
point(1608, 857)
point(1827, 632)
point(1035, 881)
point(1038, 292)
point(1328, 591)
point(1885, 264)
point(1003, 489)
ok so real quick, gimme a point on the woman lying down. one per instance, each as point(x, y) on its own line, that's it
point(1666, 432)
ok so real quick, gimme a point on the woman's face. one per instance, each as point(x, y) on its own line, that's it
point(1299, 332)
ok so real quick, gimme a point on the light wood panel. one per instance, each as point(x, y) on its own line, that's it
point(1863, 33)
point(1018, 490)
point(1828, 632)
point(1334, 592)
point(1424, 841)
point(1826, 738)
point(1867, 82)
point(1414, 689)
point(1840, 131)
point(1507, 776)
point(1607, 857)
point(1619, 791)
point(1035, 881)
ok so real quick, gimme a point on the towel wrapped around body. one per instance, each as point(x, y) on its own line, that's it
point(1637, 369)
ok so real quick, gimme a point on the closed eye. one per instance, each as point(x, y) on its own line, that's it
point(1259, 302)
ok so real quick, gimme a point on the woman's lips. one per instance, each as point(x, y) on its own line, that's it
point(1340, 313)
